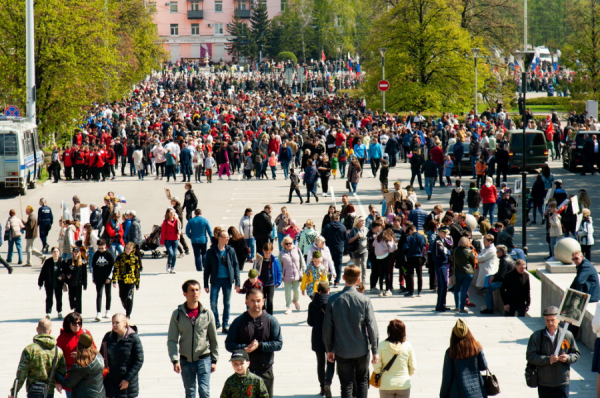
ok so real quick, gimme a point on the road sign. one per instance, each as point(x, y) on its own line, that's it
point(383, 85)
point(12, 110)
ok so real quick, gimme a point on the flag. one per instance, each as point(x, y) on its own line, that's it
point(323, 55)
point(121, 198)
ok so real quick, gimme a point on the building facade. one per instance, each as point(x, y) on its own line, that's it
point(194, 29)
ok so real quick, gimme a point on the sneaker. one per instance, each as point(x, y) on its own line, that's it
point(10, 269)
point(409, 294)
point(173, 271)
point(43, 259)
point(168, 269)
point(551, 258)
point(465, 311)
point(181, 255)
point(487, 311)
point(455, 309)
point(381, 294)
point(388, 294)
point(106, 315)
point(225, 329)
point(327, 389)
point(48, 316)
point(60, 315)
point(288, 311)
point(297, 305)
point(418, 294)
point(97, 319)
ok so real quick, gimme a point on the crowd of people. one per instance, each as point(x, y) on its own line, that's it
point(180, 123)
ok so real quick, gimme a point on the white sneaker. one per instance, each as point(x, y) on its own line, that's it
point(324, 193)
point(288, 311)
point(181, 255)
point(168, 269)
point(97, 318)
point(106, 315)
point(388, 293)
point(173, 271)
point(381, 294)
point(48, 316)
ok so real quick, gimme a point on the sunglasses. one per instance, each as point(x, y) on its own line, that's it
point(77, 323)
point(287, 244)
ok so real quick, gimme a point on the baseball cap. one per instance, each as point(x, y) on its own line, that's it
point(239, 355)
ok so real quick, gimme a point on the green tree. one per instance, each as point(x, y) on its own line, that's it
point(428, 62)
point(86, 51)
point(237, 44)
point(260, 31)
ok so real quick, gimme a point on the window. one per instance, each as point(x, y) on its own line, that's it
point(218, 5)
point(242, 5)
point(152, 6)
point(195, 29)
point(174, 29)
point(283, 5)
point(195, 6)
point(174, 7)
point(218, 29)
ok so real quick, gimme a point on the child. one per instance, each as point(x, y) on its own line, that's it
point(448, 167)
point(252, 282)
point(316, 316)
point(334, 165)
point(481, 168)
point(244, 383)
point(315, 273)
point(292, 230)
point(209, 163)
point(248, 166)
point(383, 174)
point(294, 186)
point(273, 163)
point(555, 229)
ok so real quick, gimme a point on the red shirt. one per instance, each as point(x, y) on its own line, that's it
point(339, 138)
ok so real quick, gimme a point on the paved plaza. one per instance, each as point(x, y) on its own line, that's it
point(504, 339)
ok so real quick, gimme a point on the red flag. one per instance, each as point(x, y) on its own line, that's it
point(323, 55)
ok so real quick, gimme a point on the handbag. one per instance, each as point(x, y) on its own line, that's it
point(7, 234)
point(347, 184)
point(490, 382)
point(452, 281)
point(375, 379)
point(106, 369)
point(531, 375)
point(40, 388)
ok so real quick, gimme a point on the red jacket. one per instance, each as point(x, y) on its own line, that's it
point(116, 234)
point(101, 156)
point(437, 155)
point(273, 146)
point(91, 158)
point(488, 195)
point(68, 157)
point(169, 231)
point(67, 341)
point(111, 157)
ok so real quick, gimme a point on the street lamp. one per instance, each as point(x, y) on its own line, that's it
point(382, 51)
point(524, 59)
point(475, 52)
point(339, 67)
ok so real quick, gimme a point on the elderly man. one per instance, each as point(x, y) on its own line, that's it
point(586, 280)
point(515, 291)
point(553, 370)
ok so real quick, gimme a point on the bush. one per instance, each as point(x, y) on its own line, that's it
point(287, 56)
point(558, 101)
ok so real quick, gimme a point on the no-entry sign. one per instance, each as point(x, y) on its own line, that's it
point(383, 85)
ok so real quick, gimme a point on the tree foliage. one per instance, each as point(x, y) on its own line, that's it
point(86, 51)
point(240, 35)
point(428, 62)
point(260, 30)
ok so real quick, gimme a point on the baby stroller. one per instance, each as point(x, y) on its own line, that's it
point(152, 242)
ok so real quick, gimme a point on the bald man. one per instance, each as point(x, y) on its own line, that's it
point(36, 363)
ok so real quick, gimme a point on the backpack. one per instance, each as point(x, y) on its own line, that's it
point(349, 221)
point(55, 157)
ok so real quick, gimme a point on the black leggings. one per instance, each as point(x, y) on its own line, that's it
point(380, 273)
point(75, 293)
point(414, 264)
point(160, 167)
point(58, 293)
point(269, 292)
point(325, 184)
point(107, 289)
point(126, 292)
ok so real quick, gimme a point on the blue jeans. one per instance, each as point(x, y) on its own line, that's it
point(131, 168)
point(342, 167)
point(250, 243)
point(90, 257)
point(190, 371)
point(199, 255)
point(225, 285)
point(441, 174)
point(285, 165)
point(518, 254)
point(186, 170)
point(473, 209)
point(115, 248)
point(489, 298)
point(552, 243)
point(488, 209)
point(474, 164)
point(273, 169)
point(280, 237)
point(429, 181)
point(441, 276)
point(171, 246)
point(354, 185)
point(140, 174)
point(12, 242)
point(463, 281)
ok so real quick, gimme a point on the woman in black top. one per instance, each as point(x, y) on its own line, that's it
point(328, 217)
point(52, 279)
point(237, 241)
point(324, 168)
point(75, 275)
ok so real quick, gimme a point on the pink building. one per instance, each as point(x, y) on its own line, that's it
point(195, 29)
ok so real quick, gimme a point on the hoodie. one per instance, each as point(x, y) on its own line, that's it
point(316, 315)
point(457, 199)
point(335, 235)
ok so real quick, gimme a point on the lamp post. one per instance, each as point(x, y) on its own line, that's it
point(475, 52)
point(339, 68)
point(382, 51)
point(524, 59)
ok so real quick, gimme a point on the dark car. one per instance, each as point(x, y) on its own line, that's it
point(536, 151)
point(466, 160)
point(573, 149)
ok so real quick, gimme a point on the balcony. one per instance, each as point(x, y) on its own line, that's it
point(198, 14)
point(242, 13)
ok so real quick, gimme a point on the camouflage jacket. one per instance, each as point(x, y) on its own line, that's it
point(248, 385)
point(36, 362)
point(127, 269)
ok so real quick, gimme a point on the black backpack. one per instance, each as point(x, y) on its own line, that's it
point(349, 222)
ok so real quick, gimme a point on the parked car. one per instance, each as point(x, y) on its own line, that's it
point(572, 153)
point(466, 160)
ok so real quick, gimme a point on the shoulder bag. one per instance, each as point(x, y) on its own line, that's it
point(531, 375)
point(490, 382)
point(106, 369)
point(40, 388)
point(375, 379)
